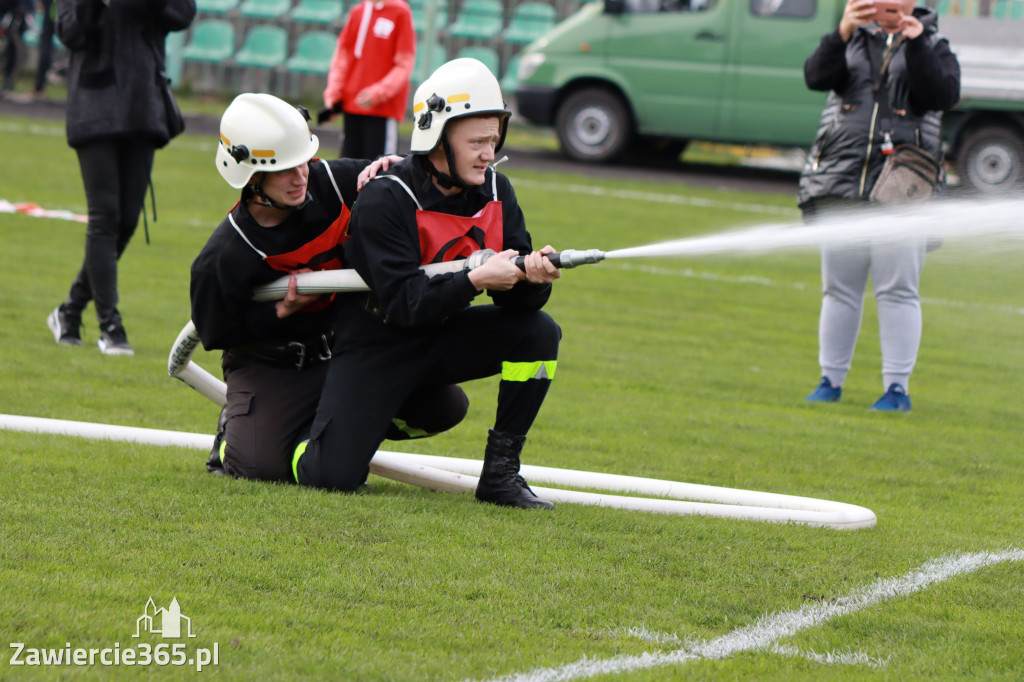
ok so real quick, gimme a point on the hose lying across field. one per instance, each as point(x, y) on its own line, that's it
point(460, 475)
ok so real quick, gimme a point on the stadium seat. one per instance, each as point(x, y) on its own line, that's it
point(956, 8)
point(478, 20)
point(419, 15)
point(1008, 9)
point(510, 80)
point(212, 41)
point(264, 9)
point(423, 69)
point(487, 55)
point(321, 12)
point(313, 53)
point(215, 7)
point(529, 21)
point(211, 44)
point(31, 35)
point(310, 62)
point(265, 47)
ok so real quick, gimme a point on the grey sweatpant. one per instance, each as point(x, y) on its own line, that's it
point(895, 270)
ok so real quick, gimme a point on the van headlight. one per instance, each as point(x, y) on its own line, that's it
point(529, 64)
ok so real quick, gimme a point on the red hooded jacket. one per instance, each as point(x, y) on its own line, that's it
point(374, 58)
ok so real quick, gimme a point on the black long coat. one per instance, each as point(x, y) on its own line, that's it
point(116, 54)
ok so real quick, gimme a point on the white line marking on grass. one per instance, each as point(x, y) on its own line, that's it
point(689, 273)
point(832, 657)
point(56, 129)
point(827, 658)
point(765, 632)
point(656, 197)
point(641, 632)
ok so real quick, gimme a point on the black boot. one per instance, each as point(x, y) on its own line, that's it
point(213, 464)
point(500, 482)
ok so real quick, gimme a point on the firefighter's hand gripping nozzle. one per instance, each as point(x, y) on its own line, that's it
point(568, 258)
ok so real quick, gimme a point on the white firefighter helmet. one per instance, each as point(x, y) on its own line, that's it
point(461, 87)
point(260, 132)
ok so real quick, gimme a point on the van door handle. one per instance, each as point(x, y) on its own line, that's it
point(709, 35)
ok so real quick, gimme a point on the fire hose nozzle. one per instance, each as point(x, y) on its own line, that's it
point(569, 258)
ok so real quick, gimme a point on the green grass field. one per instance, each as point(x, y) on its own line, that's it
point(686, 369)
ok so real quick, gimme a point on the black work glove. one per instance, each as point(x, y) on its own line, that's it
point(325, 115)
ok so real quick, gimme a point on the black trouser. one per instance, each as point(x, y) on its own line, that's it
point(368, 381)
point(270, 409)
point(45, 45)
point(115, 174)
point(14, 46)
point(367, 137)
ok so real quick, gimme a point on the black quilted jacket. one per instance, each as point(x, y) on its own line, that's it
point(922, 80)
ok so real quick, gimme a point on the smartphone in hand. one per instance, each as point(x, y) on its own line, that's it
point(887, 11)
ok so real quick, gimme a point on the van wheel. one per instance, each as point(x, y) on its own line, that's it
point(991, 160)
point(593, 125)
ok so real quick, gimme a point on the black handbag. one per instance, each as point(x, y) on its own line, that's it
point(172, 112)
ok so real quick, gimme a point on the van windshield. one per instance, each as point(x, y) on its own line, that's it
point(648, 6)
point(782, 8)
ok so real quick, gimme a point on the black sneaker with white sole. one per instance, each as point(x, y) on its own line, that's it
point(66, 326)
point(114, 341)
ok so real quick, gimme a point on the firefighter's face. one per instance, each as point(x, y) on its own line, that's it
point(287, 187)
point(473, 142)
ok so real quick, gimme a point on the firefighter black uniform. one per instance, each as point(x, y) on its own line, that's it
point(275, 368)
point(414, 330)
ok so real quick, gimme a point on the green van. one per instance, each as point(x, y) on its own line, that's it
point(646, 76)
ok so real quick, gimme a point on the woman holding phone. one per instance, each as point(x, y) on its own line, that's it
point(890, 75)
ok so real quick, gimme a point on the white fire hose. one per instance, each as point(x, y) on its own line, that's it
point(460, 475)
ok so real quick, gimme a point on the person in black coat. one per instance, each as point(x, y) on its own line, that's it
point(116, 119)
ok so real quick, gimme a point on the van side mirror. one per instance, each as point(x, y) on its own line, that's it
point(614, 6)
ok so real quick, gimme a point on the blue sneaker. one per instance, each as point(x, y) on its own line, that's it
point(894, 400)
point(826, 392)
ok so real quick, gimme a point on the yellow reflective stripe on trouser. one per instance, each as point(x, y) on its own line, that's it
point(410, 431)
point(299, 451)
point(524, 371)
point(220, 451)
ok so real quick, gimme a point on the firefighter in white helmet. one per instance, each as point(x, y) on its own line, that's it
point(292, 217)
point(444, 202)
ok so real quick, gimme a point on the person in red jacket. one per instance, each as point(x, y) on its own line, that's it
point(369, 76)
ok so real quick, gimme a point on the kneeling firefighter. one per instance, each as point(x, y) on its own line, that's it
point(292, 217)
point(443, 202)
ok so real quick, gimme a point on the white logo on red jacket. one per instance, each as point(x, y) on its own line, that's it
point(383, 27)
